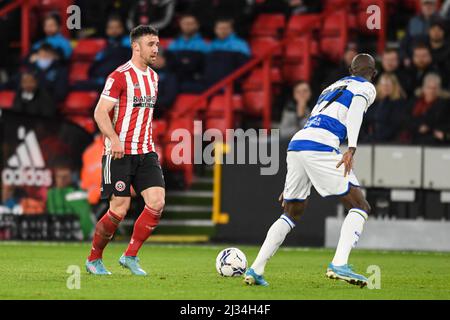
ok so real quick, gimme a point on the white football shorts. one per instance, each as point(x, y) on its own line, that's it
point(317, 168)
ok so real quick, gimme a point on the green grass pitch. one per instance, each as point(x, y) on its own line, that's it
point(38, 271)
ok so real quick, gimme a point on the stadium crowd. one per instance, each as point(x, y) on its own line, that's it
point(206, 44)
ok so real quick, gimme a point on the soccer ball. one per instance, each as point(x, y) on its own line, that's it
point(231, 262)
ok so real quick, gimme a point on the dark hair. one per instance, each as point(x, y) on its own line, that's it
point(421, 45)
point(188, 15)
point(142, 30)
point(115, 17)
point(390, 50)
point(300, 82)
point(47, 47)
point(225, 20)
point(53, 16)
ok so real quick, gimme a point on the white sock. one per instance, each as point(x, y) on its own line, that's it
point(350, 232)
point(275, 237)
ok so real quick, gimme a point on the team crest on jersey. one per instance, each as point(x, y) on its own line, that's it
point(120, 186)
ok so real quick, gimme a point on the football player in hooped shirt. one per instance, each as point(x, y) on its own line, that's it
point(314, 159)
point(124, 115)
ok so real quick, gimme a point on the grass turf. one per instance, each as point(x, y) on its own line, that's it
point(38, 271)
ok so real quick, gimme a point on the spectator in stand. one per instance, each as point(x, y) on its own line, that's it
point(440, 49)
point(31, 99)
point(342, 69)
point(228, 52)
point(417, 30)
point(167, 85)
point(422, 63)
point(297, 110)
point(430, 115)
point(51, 73)
point(64, 198)
point(384, 119)
point(186, 55)
point(390, 63)
point(53, 36)
point(116, 52)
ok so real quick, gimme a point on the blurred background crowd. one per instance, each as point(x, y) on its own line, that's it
point(203, 42)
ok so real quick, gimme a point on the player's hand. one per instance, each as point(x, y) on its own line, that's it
point(281, 199)
point(347, 160)
point(116, 149)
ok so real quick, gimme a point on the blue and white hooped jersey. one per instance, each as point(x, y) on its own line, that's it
point(326, 128)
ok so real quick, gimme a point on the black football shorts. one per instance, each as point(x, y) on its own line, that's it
point(141, 171)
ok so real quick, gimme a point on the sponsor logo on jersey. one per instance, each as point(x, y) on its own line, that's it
point(144, 101)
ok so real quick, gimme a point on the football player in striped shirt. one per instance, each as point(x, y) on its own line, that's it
point(124, 115)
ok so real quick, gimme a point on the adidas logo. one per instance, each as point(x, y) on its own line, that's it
point(26, 167)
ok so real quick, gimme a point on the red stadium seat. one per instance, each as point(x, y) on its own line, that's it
point(260, 46)
point(86, 122)
point(79, 71)
point(216, 107)
point(216, 123)
point(268, 25)
point(159, 128)
point(334, 35)
point(255, 80)
point(301, 24)
point(178, 123)
point(7, 99)
point(183, 105)
point(80, 102)
point(86, 49)
point(296, 72)
point(164, 42)
point(253, 102)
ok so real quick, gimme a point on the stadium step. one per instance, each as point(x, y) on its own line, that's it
point(187, 215)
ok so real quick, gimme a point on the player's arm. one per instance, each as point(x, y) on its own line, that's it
point(101, 116)
point(355, 116)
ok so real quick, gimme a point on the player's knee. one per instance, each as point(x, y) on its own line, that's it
point(120, 205)
point(365, 206)
point(156, 203)
point(294, 210)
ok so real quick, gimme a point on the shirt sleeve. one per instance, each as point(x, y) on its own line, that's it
point(113, 87)
point(355, 116)
point(368, 92)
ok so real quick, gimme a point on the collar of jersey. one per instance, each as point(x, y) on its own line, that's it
point(139, 70)
point(360, 79)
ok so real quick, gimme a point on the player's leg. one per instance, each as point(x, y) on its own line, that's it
point(149, 182)
point(295, 195)
point(351, 230)
point(116, 188)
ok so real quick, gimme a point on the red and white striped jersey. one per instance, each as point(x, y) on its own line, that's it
point(134, 92)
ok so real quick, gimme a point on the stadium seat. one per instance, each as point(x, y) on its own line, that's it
point(159, 128)
point(253, 102)
point(7, 99)
point(79, 71)
point(86, 122)
point(334, 35)
point(301, 24)
point(216, 123)
point(80, 102)
point(183, 105)
point(268, 25)
point(86, 49)
point(260, 46)
point(296, 72)
point(255, 79)
point(164, 42)
point(216, 107)
point(178, 123)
